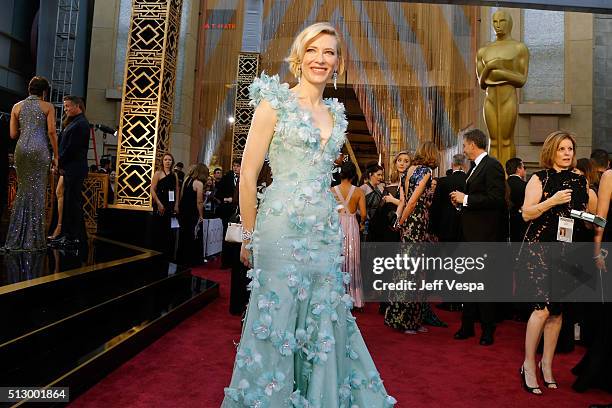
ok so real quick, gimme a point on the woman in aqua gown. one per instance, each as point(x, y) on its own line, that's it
point(300, 345)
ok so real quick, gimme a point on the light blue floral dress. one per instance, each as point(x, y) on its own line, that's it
point(300, 345)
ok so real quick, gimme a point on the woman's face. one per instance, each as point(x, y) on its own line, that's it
point(402, 163)
point(376, 178)
point(209, 182)
point(564, 155)
point(320, 59)
point(167, 162)
point(112, 176)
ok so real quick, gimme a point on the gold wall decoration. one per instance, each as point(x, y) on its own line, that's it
point(95, 196)
point(148, 97)
point(12, 187)
point(248, 68)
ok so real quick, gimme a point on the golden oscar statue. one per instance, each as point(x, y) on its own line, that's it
point(502, 67)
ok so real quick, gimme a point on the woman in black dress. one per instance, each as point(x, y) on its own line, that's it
point(394, 197)
point(374, 199)
point(191, 213)
point(550, 194)
point(165, 195)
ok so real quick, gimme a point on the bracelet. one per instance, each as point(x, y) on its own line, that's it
point(603, 254)
point(246, 234)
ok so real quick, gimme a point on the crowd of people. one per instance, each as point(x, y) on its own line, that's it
point(476, 202)
point(301, 234)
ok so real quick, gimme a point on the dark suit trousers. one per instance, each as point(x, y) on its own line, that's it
point(73, 224)
point(472, 311)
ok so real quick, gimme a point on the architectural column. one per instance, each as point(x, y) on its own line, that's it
point(147, 99)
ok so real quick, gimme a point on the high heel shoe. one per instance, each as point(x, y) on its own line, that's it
point(56, 233)
point(531, 390)
point(552, 385)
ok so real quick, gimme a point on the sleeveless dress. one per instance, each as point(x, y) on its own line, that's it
point(32, 158)
point(164, 236)
point(190, 247)
point(300, 345)
point(540, 263)
point(407, 312)
point(351, 247)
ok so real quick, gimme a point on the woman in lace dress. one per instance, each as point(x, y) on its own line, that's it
point(300, 346)
point(550, 194)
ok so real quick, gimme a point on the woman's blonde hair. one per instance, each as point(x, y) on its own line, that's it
point(395, 176)
point(303, 39)
point(551, 144)
point(427, 155)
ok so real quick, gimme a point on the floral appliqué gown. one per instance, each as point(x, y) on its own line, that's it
point(300, 345)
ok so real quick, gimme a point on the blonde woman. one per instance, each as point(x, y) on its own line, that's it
point(550, 194)
point(300, 345)
point(414, 221)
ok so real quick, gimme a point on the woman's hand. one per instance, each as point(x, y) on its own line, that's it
point(160, 208)
point(600, 263)
point(562, 197)
point(246, 255)
point(176, 208)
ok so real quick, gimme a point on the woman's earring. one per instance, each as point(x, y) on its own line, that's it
point(335, 77)
point(299, 75)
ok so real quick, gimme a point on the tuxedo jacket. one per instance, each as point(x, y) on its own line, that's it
point(517, 197)
point(483, 218)
point(445, 218)
point(74, 146)
point(226, 187)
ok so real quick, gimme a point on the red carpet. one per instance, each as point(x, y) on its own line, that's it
point(189, 366)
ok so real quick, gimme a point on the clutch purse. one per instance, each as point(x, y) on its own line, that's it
point(234, 232)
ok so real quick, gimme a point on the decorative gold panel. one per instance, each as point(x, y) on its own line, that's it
point(95, 195)
point(12, 187)
point(148, 97)
point(248, 68)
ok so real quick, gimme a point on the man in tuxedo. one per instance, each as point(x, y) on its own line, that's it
point(515, 169)
point(73, 148)
point(445, 217)
point(482, 208)
point(226, 189)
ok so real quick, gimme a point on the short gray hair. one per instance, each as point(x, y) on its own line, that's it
point(458, 160)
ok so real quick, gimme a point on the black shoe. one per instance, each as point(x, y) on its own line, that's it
point(552, 385)
point(531, 390)
point(51, 240)
point(65, 243)
point(486, 339)
point(464, 333)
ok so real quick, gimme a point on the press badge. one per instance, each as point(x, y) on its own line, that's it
point(171, 196)
point(565, 229)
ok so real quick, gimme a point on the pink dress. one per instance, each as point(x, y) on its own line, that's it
point(351, 247)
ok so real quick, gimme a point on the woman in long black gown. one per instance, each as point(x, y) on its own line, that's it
point(165, 194)
point(191, 212)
